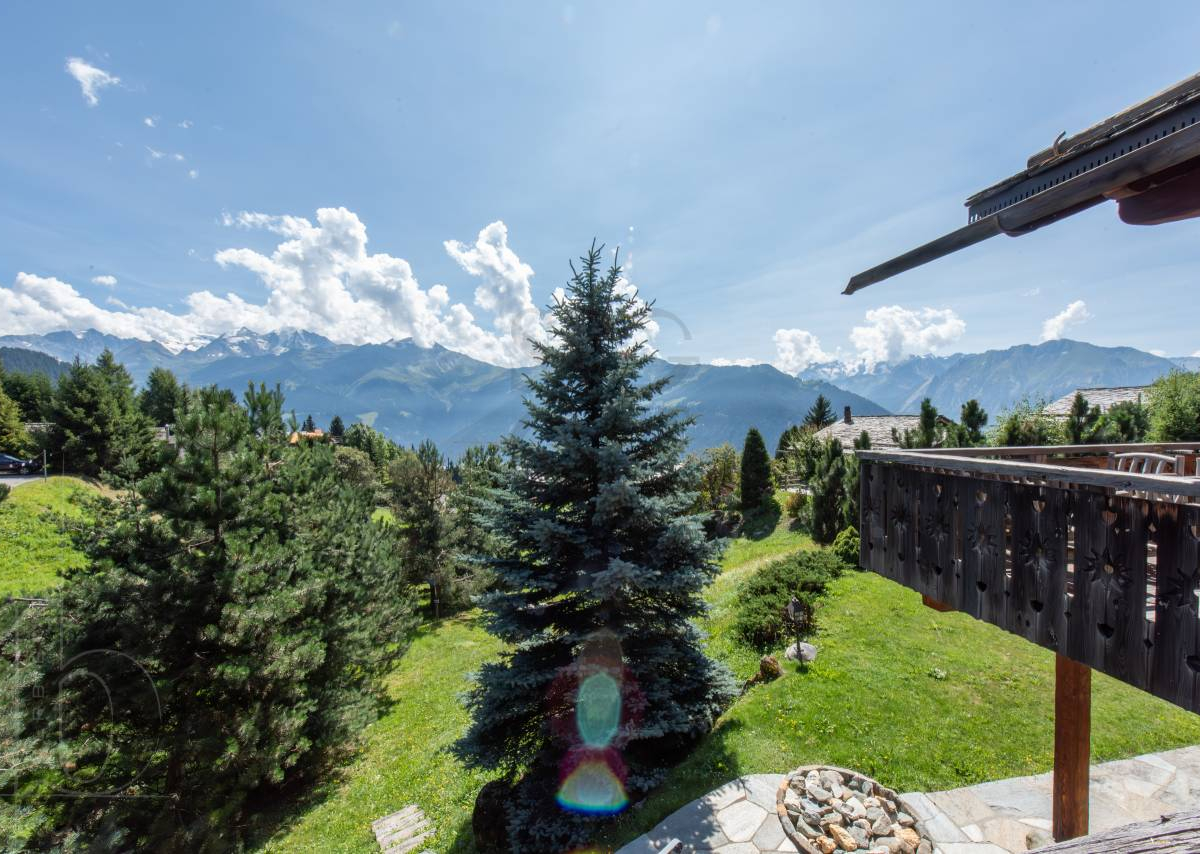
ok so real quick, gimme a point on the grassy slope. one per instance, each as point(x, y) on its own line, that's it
point(32, 549)
point(405, 759)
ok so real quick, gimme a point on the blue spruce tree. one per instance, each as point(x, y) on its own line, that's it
point(605, 684)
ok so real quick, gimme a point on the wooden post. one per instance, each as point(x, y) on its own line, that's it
point(1072, 747)
point(930, 602)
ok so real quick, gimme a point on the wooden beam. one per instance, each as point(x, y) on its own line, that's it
point(1175, 833)
point(930, 602)
point(1072, 747)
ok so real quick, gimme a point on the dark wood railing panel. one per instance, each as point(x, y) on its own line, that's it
point(1111, 581)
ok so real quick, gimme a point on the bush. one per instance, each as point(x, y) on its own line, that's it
point(4, 490)
point(796, 504)
point(762, 603)
point(845, 546)
point(1175, 408)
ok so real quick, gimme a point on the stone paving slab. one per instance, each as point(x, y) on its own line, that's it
point(998, 817)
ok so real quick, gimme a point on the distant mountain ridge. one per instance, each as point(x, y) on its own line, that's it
point(999, 379)
point(413, 393)
point(21, 361)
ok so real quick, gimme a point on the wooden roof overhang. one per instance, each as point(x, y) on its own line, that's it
point(1146, 158)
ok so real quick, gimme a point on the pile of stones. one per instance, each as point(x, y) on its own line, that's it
point(834, 811)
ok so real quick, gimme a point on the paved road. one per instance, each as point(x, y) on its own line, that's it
point(16, 480)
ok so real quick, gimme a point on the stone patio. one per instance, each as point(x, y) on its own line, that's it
point(989, 818)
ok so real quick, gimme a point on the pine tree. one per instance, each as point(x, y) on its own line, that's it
point(32, 393)
point(829, 492)
point(310, 426)
point(757, 486)
point(850, 516)
point(1083, 424)
point(14, 439)
point(248, 607)
point(820, 414)
point(787, 440)
point(930, 433)
point(1127, 421)
point(336, 428)
point(421, 486)
point(971, 421)
point(160, 397)
point(101, 423)
point(605, 680)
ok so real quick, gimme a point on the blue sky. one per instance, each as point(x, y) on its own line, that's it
point(748, 158)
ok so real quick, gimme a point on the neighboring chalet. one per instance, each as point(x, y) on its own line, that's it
point(1105, 398)
point(298, 436)
point(1099, 565)
point(879, 429)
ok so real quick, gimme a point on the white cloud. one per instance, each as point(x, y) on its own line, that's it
point(891, 333)
point(90, 79)
point(107, 281)
point(150, 121)
point(1162, 354)
point(319, 277)
point(1032, 292)
point(505, 293)
point(741, 363)
point(193, 174)
point(185, 124)
point(796, 349)
point(1073, 315)
point(155, 154)
point(178, 158)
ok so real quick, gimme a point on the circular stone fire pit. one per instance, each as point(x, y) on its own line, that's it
point(827, 810)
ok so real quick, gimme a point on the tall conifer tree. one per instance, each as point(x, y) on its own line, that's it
point(605, 682)
point(757, 485)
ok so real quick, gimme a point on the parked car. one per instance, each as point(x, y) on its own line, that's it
point(15, 465)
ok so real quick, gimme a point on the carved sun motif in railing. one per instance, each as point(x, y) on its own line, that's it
point(1107, 570)
point(1035, 553)
point(899, 518)
point(938, 526)
point(982, 540)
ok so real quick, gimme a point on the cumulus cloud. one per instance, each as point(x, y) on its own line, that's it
point(741, 363)
point(1073, 315)
point(150, 121)
point(320, 277)
point(90, 79)
point(193, 174)
point(797, 349)
point(892, 332)
point(107, 281)
point(887, 334)
point(185, 124)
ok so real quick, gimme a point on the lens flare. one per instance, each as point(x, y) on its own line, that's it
point(593, 788)
point(598, 710)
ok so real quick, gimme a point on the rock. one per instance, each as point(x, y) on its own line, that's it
point(825, 844)
point(907, 834)
point(809, 805)
point(792, 801)
point(812, 778)
point(856, 809)
point(843, 838)
point(831, 778)
point(813, 818)
point(838, 791)
point(805, 829)
point(891, 843)
point(882, 826)
point(926, 847)
point(905, 820)
point(875, 813)
point(769, 668)
point(832, 818)
point(860, 836)
point(820, 795)
point(870, 801)
point(863, 823)
point(801, 652)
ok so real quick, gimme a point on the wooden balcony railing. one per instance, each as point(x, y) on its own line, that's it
point(1100, 566)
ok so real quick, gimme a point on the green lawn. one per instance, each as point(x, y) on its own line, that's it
point(33, 551)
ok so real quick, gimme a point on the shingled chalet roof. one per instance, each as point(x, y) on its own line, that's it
point(879, 428)
point(1105, 398)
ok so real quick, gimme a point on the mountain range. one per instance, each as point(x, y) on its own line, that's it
point(998, 379)
point(412, 393)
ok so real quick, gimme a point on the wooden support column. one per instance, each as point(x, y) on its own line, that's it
point(1072, 747)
